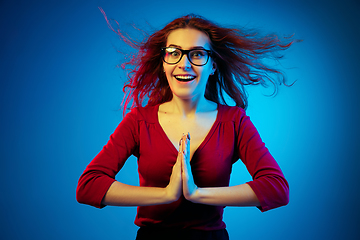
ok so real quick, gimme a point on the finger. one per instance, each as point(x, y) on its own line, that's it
point(185, 166)
point(181, 163)
point(182, 143)
point(186, 150)
point(188, 143)
point(184, 146)
point(182, 160)
point(179, 160)
point(184, 170)
point(177, 169)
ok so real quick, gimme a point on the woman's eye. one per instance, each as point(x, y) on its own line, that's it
point(197, 54)
point(174, 54)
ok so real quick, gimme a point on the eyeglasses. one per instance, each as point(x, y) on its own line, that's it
point(198, 57)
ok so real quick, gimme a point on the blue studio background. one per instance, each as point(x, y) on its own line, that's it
point(60, 93)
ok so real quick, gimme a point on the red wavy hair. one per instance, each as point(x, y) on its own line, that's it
point(238, 54)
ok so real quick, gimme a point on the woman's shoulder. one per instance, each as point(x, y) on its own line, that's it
point(146, 113)
point(231, 113)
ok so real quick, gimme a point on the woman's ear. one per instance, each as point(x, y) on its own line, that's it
point(214, 68)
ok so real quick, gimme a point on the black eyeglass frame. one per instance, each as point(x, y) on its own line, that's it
point(183, 52)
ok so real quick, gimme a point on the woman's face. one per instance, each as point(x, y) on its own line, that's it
point(186, 80)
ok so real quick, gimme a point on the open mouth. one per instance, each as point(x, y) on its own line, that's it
point(185, 78)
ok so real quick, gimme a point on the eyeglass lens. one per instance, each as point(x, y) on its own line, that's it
point(195, 56)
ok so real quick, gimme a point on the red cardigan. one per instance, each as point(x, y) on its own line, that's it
point(231, 137)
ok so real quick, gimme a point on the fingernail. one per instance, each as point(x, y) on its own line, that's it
point(188, 135)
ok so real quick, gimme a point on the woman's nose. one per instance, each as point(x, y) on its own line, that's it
point(184, 62)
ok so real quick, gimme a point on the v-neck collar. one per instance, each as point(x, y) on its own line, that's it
point(202, 144)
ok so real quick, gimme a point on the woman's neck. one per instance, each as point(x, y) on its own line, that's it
point(190, 107)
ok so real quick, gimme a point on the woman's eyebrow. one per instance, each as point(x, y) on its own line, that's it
point(175, 46)
point(195, 47)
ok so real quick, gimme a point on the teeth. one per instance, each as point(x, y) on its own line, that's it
point(186, 78)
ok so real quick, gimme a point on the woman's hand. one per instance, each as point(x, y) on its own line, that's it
point(189, 187)
point(181, 179)
point(174, 189)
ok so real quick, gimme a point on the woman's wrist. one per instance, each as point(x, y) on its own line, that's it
point(170, 195)
point(195, 196)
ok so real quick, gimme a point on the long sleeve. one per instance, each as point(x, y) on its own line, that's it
point(232, 137)
point(100, 173)
point(269, 183)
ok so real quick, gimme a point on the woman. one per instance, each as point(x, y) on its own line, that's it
point(184, 185)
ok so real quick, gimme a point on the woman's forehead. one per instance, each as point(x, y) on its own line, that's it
point(187, 38)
